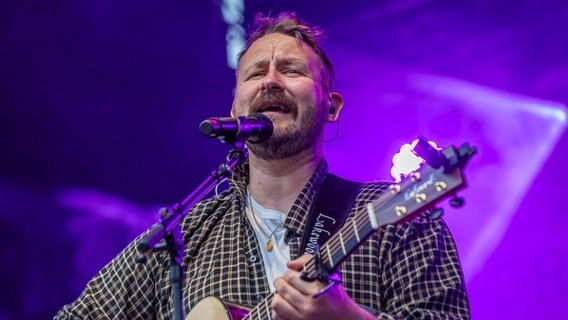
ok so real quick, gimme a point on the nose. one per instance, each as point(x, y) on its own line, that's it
point(271, 82)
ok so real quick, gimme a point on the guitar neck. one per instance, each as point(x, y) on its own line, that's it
point(344, 242)
point(416, 193)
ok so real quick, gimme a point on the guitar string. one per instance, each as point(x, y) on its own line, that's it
point(334, 242)
point(262, 311)
point(360, 219)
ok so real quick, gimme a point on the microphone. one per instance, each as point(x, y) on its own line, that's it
point(254, 128)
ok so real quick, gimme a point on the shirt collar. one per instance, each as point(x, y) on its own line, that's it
point(296, 218)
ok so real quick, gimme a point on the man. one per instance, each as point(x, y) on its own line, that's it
point(245, 243)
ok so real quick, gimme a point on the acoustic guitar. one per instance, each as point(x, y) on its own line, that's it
point(417, 194)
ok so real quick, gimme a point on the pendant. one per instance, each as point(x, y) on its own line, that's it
point(268, 245)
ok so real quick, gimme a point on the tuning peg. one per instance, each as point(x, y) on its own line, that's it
point(437, 213)
point(431, 155)
point(457, 202)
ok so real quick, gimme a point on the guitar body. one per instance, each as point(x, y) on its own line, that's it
point(212, 308)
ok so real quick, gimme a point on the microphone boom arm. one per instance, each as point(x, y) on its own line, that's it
point(165, 235)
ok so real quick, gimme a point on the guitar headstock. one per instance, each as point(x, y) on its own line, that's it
point(439, 178)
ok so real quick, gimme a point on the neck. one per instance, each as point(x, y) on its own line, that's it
point(275, 184)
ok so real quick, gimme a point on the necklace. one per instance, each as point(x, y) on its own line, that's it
point(268, 245)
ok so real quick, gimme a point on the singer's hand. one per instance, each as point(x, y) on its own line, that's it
point(295, 300)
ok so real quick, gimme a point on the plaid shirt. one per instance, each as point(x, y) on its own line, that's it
point(398, 271)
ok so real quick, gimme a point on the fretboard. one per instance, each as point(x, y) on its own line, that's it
point(344, 242)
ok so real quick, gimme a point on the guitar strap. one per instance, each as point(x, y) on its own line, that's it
point(330, 210)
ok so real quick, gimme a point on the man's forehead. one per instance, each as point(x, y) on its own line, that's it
point(280, 47)
point(277, 45)
point(279, 59)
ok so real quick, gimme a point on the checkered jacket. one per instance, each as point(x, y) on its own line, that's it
point(402, 272)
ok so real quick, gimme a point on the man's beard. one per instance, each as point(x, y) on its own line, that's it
point(293, 139)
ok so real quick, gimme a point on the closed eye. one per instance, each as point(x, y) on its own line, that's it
point(291, 72)
point(255, 75)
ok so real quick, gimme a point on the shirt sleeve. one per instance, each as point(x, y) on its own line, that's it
point(123, 289)
point(421, 273)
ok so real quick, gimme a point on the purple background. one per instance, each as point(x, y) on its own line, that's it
point(100, 103)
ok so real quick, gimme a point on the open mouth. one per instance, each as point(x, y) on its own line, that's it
point(275, 108)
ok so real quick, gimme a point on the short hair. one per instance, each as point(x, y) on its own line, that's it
point(288, 24)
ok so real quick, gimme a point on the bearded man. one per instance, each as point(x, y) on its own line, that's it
point(246, 243)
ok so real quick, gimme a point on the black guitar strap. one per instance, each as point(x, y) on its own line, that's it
point(330, 210)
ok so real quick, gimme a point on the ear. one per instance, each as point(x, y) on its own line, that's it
point(335, 106)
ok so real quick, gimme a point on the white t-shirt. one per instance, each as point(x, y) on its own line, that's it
point(268, 219)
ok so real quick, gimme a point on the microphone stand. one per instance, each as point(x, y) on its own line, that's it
point(165, 235)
